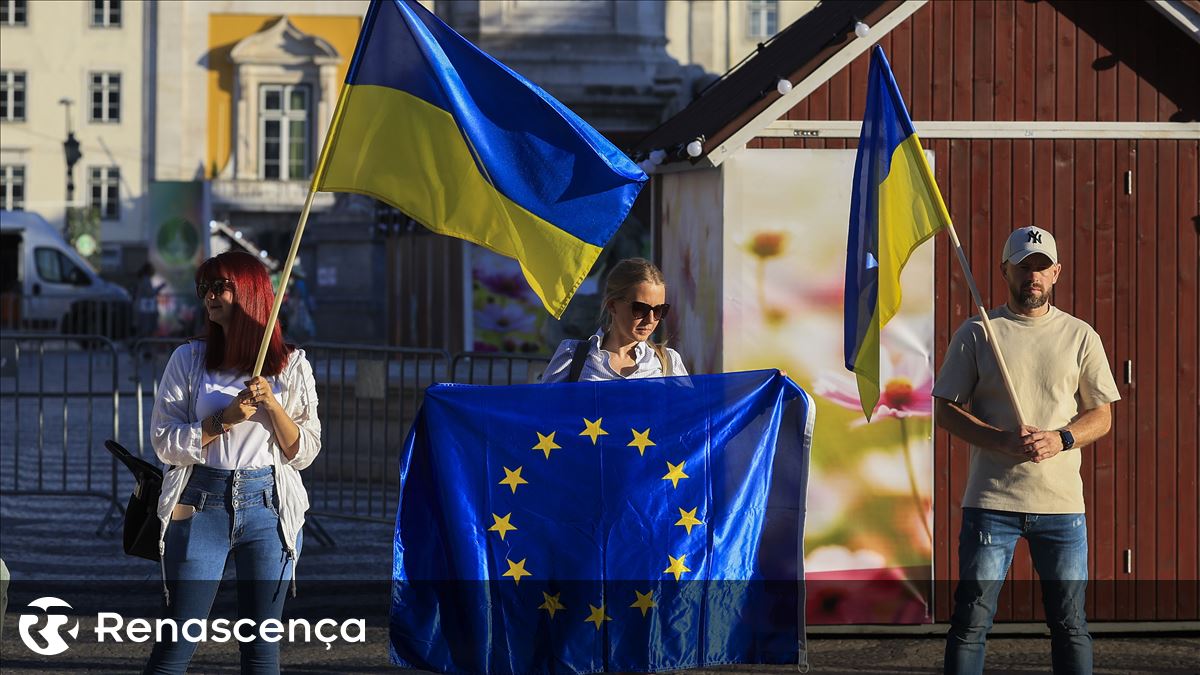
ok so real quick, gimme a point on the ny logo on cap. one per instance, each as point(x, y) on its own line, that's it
point(1035, 237)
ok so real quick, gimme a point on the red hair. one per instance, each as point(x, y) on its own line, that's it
point(252, 301)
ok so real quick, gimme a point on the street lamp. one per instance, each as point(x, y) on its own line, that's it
point(73, 155)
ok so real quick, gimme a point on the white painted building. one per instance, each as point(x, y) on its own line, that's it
point(717, 34)
point(76, 65)
point(618, 63)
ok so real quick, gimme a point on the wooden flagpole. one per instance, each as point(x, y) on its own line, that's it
point(926, 173)
point(988, 331)
point(283, 281)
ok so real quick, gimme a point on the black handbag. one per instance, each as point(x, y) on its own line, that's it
point(142, 527)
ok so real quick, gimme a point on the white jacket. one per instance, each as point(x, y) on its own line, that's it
point(175, 434)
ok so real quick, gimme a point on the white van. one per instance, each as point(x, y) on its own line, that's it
point(46, 286)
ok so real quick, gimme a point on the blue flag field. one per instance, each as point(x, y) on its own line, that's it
point(638, 525)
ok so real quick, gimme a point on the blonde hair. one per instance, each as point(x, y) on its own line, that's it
point(621, 280)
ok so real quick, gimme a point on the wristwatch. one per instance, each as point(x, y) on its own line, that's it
point(216, 423)
point(1068, 439)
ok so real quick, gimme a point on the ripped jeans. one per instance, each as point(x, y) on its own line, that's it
point(224, 514)
point(1058, 546)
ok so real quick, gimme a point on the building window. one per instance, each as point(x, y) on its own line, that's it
point(106, 13)
point(12, 95)
point(12, 187)
point(105, 183)
point(105, 89)
point(283, 132)
point(762, 18)
point(13, 12)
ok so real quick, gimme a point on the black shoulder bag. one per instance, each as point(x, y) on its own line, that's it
point(142, 527)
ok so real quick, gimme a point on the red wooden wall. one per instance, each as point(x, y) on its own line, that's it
point(1130, 260)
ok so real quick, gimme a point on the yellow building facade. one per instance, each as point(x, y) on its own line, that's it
point(227, 31)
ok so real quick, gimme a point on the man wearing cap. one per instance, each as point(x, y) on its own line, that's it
point(1024, 481)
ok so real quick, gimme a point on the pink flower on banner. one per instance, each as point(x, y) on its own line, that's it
point(505, 318)
point(906, 387)
point(501, 276)
point(848, 587)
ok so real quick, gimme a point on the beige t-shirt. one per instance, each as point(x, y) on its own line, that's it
point(1059, 369)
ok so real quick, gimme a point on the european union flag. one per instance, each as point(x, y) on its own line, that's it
point(635, 525)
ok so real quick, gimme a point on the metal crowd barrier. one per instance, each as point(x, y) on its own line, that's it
point(60, 399)
point(149, 358)
point(497, 368)
point(369, 396)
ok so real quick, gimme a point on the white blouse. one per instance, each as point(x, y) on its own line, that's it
point(243, 446)
point(596, 367)
point(175, 434)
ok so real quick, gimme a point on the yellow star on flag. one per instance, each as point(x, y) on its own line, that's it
point(675, 473)
point(598, 616)
point(516, 570)
point(641, 441)
point(551, 604)
point(644, 601)
point(504, 527)
point(676, 567)
point(687, 519)
point(546, 443)
point(592, 429)
point(513, 478)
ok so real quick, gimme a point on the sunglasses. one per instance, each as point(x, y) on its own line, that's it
point(217, 287)
point(641, 310)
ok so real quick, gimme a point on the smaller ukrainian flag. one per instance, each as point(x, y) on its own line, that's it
point(432, 125)
point(895, 205)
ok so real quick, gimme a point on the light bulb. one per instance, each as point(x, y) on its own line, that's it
point(861, 29)
point(784, 85)
point(237, 235)
point(262, 254)
point(657, 156)
point(694, 148)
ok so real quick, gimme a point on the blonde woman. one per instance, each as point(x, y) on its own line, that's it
point(634, 303)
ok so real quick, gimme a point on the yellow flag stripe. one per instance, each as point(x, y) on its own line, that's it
point(911, 211)
point(402, 150)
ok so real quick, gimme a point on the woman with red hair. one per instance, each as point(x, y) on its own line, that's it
point(234, 446)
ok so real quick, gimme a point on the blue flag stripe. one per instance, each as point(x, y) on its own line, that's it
point(529, 146)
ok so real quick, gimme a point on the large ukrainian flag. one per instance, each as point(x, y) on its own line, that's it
point(894, 207)
point(432, 125)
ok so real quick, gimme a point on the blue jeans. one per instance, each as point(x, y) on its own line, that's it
point(1058, 546)
point(235, 515)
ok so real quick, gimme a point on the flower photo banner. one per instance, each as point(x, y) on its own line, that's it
point(868, 544)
